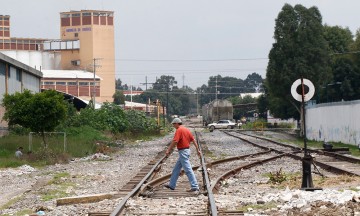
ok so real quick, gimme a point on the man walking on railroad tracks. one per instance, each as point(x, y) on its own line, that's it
point(182, 139)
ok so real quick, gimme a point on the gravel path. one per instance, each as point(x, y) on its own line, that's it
point(26, 190)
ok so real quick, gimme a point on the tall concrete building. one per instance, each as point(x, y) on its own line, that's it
point(92, 32)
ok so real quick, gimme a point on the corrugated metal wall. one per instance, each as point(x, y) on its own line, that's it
point(14, 85)
point(334, 122)
point(30, 82)
point(2, 80)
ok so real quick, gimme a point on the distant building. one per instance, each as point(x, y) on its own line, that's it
point(147, 108)
point(16, 77)
point(133, 93)
point(93, 31)
point(74, 82)
point(86, 43)
point(253, 95)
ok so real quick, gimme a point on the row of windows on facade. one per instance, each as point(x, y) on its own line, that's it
point(77, 21)
point(18, 75)
point(5, 22)
point(66, 15)
point(70, 83)
point(21, 44)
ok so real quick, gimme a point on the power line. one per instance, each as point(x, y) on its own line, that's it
point(192, 60)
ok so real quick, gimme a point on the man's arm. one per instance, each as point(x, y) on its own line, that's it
point(197, 147)
point(171, 146)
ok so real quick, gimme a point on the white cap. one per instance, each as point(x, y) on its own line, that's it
point(176, 120)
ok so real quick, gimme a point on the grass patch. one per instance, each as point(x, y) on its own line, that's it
point(264, 206)
point(80, 142)
point(11, 202)
point(281, 179)
point(53, 194)
point(57, 179)
point(294, 181)
point(60, 187)
point(337, 181)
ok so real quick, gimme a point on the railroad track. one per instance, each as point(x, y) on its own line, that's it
point(148, 173)
point(330, 161)
point(148, 184)
point(152, 189)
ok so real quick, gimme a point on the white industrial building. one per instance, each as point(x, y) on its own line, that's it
point(16, 76)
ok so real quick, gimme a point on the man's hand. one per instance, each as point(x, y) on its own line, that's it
point(167, 153)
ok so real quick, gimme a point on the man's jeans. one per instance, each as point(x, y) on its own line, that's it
point(183, 162)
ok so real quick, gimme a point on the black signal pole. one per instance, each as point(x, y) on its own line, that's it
point(307, 183)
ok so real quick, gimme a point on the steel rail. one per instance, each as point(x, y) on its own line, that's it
point(117, 211)
point(278, 143)
point(319, 163)
point(331, 154)
point(260, 146)
point(158, 181)
point(247, 166)
point(210, 195)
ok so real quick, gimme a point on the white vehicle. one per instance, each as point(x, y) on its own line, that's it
point(222, 124)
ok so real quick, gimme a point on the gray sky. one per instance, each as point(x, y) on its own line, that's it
point(188, 39)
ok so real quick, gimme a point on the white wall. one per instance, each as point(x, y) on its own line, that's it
point(334, 122)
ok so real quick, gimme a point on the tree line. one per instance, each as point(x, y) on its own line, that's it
point(185, 100)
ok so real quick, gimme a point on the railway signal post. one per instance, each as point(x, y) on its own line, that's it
point(307, 161)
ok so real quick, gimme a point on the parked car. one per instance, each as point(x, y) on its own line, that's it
point(222, 124)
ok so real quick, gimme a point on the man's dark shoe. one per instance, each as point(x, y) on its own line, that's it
point(194, 191)
point(168, 187)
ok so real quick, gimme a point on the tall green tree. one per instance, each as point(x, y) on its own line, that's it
point(119, 97)
point(300, 50)
point(40, 112)
point(338, 39)
point(165, 83)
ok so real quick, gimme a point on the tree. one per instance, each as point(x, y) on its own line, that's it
point(300, 50)
point(165, 83)
point(339, 39)
point(119, 97)
point(41, 112)
point(253, 83)
point(118, 84)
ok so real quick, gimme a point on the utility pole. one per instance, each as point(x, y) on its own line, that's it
point(146, 83)
point(94, 86)
point(216, 100)
point(167, 98)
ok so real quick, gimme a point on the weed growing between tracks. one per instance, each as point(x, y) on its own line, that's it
point(264, 206)
point(59, 185)
point(282, 180)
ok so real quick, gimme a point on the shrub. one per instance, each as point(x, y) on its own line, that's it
point(139, 122)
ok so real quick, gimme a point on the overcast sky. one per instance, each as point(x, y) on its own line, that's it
point(188, 39)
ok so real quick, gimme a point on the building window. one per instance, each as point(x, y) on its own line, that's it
point(84, 83)
point(60, 83)
point(2, 69)
point(76, 34)
point(72, 83)
point(48, 83)
point(92, 83)
point(18, 75)
point(75, 62)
